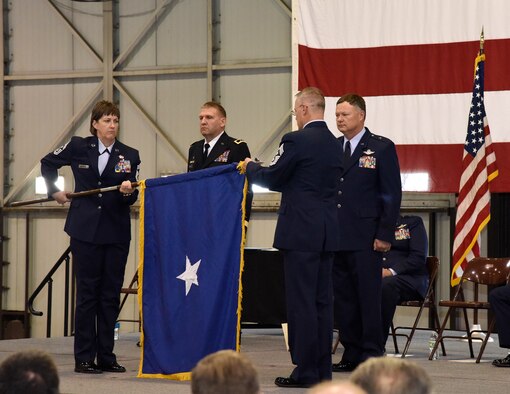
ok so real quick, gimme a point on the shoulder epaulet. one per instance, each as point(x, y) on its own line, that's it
point(379, 137)
point(239, 142)
point(196, 142)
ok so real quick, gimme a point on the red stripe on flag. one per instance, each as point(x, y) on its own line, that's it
point(475, 214)
point(443, 164)
point(474, 198)
point(469, 183)
point(430, 159)
point(402, 70)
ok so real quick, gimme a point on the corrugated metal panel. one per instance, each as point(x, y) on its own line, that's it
point(40, 40)
point(40, 113)
point(266, 96)
point(179, 102)
point(256, 97)
point(252, 30)
point(173, 100)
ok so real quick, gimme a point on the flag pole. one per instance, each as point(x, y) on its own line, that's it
point(482, 41)
point(476, 328)
point(475, 313)
point(70, 195)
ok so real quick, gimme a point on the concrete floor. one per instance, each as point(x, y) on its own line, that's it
point(455, 373)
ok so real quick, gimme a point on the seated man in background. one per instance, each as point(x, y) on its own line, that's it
point(405, 276)
point(499, 299)
point(387, 375)
point(224, 372)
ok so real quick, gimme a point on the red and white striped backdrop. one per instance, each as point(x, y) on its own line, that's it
point(413, 62)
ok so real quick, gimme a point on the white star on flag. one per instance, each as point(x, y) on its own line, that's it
point(190, 274)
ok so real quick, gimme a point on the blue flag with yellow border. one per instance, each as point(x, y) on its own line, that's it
point(191, 255)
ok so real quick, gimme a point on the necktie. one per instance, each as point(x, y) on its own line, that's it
point(206, 152)
point(347, 151)
point(102, 160)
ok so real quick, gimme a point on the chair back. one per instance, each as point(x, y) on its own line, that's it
point(429, 301)
point(487, 271)
point(432, 263)
point(479, 271)
point(433, 269)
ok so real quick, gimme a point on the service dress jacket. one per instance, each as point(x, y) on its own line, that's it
point(305, 170)
point(226, 150)
point(408, 253)
point(102, 218)
point(369, 193)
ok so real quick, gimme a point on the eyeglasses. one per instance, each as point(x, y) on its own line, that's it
point(293, 112)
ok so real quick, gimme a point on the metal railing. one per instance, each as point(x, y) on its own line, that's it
point(68, 294)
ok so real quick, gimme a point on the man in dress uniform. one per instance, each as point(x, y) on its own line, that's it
point(368, 207)
point(217, 148)
point(306, 170)
point(100, 229)
point(404, 272)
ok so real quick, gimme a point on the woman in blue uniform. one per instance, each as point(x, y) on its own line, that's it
point(100, 231)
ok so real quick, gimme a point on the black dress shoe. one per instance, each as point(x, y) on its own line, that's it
point(112, 367)
point(290, 382)
point(502, 362)
point(344, 366)
point(86, 367)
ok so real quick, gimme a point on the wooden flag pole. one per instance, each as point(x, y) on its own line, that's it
point(70, 195)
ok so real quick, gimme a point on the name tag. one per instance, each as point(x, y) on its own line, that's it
point(85, 166)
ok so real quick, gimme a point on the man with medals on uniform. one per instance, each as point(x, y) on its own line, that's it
point(404, 272)
point(217, 148)
point(368, 202)
point(100, 229)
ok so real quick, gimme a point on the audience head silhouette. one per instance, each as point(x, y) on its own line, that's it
point(337, 387)
point(224, 372)
point(385, 375)
point(30, 371)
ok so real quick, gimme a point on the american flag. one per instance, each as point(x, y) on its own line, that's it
point(414, 67)
point(479, 169)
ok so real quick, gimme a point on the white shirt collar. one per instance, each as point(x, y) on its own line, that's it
point(101, 147)
point(213, 141)
point(355, 140)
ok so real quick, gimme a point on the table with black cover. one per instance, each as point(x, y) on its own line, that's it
point(263, 287)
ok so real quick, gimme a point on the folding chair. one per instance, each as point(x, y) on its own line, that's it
point(480, 271)
point(429, 301)
point(336, 340)
point(126, 291)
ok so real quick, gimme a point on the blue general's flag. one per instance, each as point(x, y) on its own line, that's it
point(192, 238)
